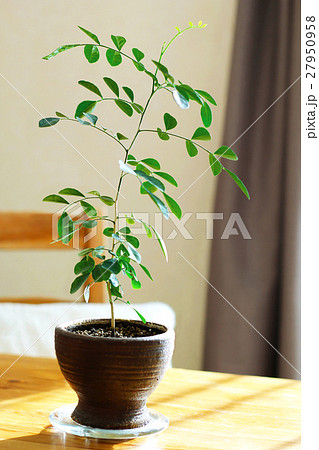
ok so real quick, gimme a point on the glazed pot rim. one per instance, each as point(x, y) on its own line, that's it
point(62, 328)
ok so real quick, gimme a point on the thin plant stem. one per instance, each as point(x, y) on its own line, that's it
point(117, 200)
point(179, 137)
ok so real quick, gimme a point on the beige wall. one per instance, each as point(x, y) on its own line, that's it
point(35, 162)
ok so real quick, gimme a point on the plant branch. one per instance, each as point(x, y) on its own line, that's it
point(97, 128)
point(108, 284)
point(117, 198)
point(179, 137)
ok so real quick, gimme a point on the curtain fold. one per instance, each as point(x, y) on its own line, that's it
point(260, 276)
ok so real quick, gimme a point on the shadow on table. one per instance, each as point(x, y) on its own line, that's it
point(50, 436)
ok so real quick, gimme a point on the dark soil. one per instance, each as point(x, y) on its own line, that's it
point(122, 330)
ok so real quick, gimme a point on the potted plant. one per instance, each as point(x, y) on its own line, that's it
point(113, 364)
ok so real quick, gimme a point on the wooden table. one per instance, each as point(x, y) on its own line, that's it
point(206, 410)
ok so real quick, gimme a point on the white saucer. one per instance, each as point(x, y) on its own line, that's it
point(61, 419)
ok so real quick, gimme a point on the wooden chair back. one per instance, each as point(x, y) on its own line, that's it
point(26, 230)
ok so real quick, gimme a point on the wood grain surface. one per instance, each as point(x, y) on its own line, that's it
point(206, 410)
point(31, 230)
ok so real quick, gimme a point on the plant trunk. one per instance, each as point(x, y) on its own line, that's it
point(112, 308)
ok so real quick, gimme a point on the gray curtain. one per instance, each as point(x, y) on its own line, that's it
point(260, 276)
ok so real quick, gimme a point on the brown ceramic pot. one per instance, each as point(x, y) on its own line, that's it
point(112, 377)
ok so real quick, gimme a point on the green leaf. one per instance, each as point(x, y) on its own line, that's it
point(91, 53)
point(88, 209)
point(48, 122)
point(59, 114)
point(226, 152)
point(89, 223)
point(91, 35)
point(86, 293)
point(139, 66)
point(150, 74)
point(146, 271)
point(115, 282)
point(99, 274)
point(206, 115)
point(82, 122)
point(55, 199)
point(130, 221)
point(146, 186)
point(173, 206)
point(118, 41)
point(87, 106)
point(85, 251)
point(86, 265)
point(138, 54)
point(136, 284)
point(125, 230)
point(191, 148)
point(125, 107)
point(164, 71)
point(132, 163)
point(147, 230)
point(201, 134)
point(91, 87)
point(151, 162)
point(112, 85)
point(107, 200)
point(133, 241)
point(138, 108)
point(140, 166)
point(162, 135)
point(158, 202)
point(239, 183)
point(215, 165)
point(161, 242)
point(61, 49)
point(133, 253)
point(115, 291)
point(94, 193)
point(114, 58)
point(182, 100)
point(117, 237)
point(78, 282)
point(112, 265)
point(92, 118)
point(122, 252)
point(207, 96)
point(71, 191)
point(170, 121)
point(129, 93)
point(98, 251)
point(140, 315)
point(191, 93)
point(108, 231)
point(167, 177)
point(126, 168)
point(65, 228)
point(154, 181)
point(121, 136)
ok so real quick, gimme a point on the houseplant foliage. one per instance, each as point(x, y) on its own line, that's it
point(122, 255)
point(113, 377)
